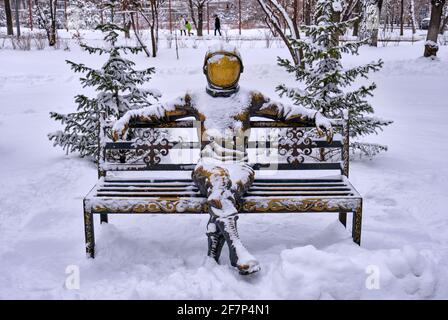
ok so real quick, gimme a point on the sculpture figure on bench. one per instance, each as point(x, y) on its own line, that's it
point(222, 173)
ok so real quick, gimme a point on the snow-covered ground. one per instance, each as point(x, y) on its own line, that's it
point(404, 242)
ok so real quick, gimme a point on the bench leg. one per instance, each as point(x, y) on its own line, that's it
point(89, 234)
point(343, 218)
point(104, 218)
point(357, 224)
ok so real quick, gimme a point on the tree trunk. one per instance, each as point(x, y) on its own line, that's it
point(370, 21)
point(9, 27)
point(200, 19)
point(127, 33)
point(356, 28)
point(30, 12)
point(153, 42)
point(303, 11)
point(134, 27)
point(17, 18)
point(65, 15)
point(444, 24)
point(295, 18)
point(307, 12)
point(412, 15)
point(239, 16)
point(52, 33)
point(349, 9)
point(431, 46)
point(392, 15)
point(156, 25)
point(401, 17)
point(336, 17)
point(191, 6)
point(358, 14)
point(271, 21)
point(153, 23)
point(126, 26)
point(377, 26)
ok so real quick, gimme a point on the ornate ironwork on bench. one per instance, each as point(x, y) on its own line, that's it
point(283, 146)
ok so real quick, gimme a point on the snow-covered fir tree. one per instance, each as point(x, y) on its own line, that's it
point(328, 85)
point(119, 90)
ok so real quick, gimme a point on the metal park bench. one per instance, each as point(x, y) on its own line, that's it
point(125, 188)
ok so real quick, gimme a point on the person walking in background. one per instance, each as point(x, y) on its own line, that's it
point(182, 26)
point(188, 26)
point(217, 25)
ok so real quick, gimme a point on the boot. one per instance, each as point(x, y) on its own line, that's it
point(240, 258)
point(215, 240)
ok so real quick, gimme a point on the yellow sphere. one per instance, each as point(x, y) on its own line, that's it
point(223, 70)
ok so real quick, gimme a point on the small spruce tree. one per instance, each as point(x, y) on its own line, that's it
point(118, 87)
point(328, 87)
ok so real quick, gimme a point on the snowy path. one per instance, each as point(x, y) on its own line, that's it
point(303, 256)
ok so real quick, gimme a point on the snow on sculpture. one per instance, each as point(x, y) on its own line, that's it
point(222, 173)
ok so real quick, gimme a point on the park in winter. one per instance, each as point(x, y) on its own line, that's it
point(231, 149)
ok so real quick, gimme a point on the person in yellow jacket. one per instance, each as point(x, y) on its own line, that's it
point(188, 26)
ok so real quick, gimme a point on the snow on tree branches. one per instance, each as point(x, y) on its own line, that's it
point(276, 14)
point(370, 20)
point(47, 18)
point(117, 84)
point(327, 83)
point(82, 14)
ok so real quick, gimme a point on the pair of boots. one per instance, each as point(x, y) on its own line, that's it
point(224, 229)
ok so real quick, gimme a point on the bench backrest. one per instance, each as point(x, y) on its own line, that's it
point(272, 145)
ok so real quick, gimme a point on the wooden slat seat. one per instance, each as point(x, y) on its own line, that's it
point(264, 196)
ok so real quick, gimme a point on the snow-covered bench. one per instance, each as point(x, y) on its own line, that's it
point(137, 176)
